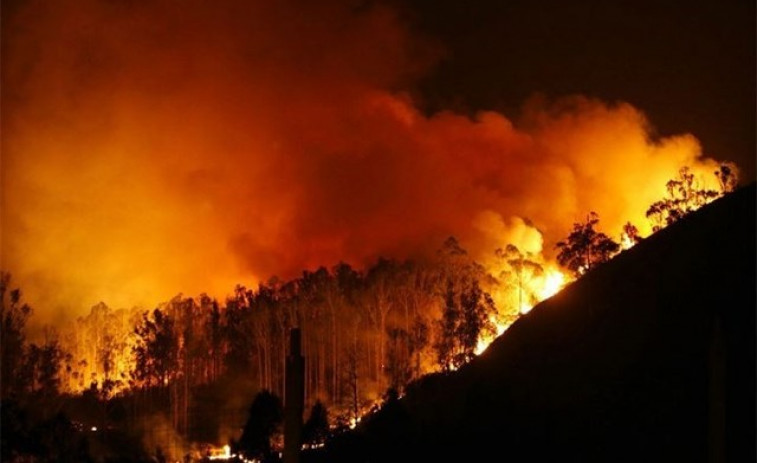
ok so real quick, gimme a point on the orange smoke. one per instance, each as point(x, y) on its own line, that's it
point(150, 149)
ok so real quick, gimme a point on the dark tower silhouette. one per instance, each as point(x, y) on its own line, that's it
point(294, 398)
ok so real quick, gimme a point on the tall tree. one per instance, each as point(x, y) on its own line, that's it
point(237, 326)
point(398, 367)
point(156, 352)
point(728, 177)
point(525, 268)
point(352, 376)
point(466, 308)
point(465, 318)
point(586, 247)
point(629, 237)
point(214, 334)
point(13, 317)
point(684, 195)
point(46, 364)
point(379, 287)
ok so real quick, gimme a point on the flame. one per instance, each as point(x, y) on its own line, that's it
point(554, 281)
point(354, 421)
point(484, 341)
point(138, 169)
point(626, 242)
point(140, 164)
point(220, 453)
point(543, 286)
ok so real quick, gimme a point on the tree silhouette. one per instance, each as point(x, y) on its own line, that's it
point(237, 321)
point(585, 247)
point(465, 318)
point(13, 317)
point(212, 332)
point(629, 236)
point(316, 428)
point(30, 438)
point(525, 268)
point(264, 420)
point(156, 352)
point(397, 366)
point(352, 375)
point(684, 195)
point(728, 177)
point(43, 362)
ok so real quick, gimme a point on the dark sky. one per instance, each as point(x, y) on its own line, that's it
point(690, 66)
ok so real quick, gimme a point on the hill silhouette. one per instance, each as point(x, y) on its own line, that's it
point(650, 357)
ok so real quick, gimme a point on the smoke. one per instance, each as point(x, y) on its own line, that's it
point(159, 437)
point(152, 148)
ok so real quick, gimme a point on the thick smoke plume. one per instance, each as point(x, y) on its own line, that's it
point(157, 147)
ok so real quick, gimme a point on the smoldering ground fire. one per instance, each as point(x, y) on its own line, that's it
point(151, 150)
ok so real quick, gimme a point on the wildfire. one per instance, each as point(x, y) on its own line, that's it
point(307, 166)
point(554, 281)
point(196, 158)
point(354, 422)
point(626, 242)
point(221, 453)
point(539, 288)
point(484, 341)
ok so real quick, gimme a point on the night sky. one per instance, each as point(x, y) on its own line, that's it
point(690, 66)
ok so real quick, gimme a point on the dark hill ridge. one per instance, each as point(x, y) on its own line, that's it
point(651, 357)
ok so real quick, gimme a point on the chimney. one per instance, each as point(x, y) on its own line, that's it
point(294, 398)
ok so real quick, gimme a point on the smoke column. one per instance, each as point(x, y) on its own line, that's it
point(152, 148)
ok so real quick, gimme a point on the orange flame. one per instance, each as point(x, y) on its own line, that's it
point(139, 165)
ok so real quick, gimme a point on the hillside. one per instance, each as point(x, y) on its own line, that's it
point(650, 357)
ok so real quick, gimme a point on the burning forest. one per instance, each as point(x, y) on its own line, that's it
point(183, 186)
point(181, 374)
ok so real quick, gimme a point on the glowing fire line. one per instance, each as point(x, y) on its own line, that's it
point(542, 287)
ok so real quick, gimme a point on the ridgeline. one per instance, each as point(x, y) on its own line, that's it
point(650, 357)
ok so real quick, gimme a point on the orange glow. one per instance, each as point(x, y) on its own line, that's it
point(626, 242)
point(484, 341)
point(140, 162)
point(541, 287)
point(100, 347)
point(158, 148)
point(553, 282)
point(220, 453)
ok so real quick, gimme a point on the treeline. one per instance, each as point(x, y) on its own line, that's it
point(585, 247)
point(199, 361)
point(363, 332)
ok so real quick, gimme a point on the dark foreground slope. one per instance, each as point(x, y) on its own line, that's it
point(651, 357)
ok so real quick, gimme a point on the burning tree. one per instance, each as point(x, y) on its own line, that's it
point(465, 318)
point(586, 247)
point(684, 195)
point(728, 177)
point(525, 268)
point(466, 309)
point(629, 237)
point(156, 351)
